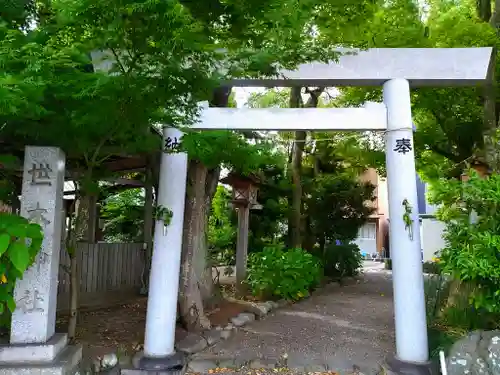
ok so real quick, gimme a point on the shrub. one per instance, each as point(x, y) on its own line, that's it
point(433, 268)
point(279, 273)
point(388, 264)
point(471, 255)
point(341, 261)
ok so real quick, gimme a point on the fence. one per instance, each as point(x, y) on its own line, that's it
point(106, 270)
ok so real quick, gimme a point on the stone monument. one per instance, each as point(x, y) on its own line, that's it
point(34, 346)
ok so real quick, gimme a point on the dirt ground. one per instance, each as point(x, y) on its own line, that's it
point(121, 328)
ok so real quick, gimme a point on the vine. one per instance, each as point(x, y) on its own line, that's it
point(407, 217)
point(164, 214)
point(20, 242)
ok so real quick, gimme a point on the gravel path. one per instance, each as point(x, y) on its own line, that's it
point(334, 330)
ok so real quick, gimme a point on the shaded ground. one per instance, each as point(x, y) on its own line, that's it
point(339, 327)
point(121, 328)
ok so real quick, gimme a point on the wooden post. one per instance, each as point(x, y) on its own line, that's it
point(242, 249)
point(148, 228)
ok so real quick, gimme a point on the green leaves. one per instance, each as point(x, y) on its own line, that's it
point(472, 252)
point(4, 243)
point(20, 242)
point(19, 255)
point(280, 273)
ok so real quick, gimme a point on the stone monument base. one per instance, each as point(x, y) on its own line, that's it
point(54, 357)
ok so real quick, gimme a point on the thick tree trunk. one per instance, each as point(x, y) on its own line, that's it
point(210, 296)
point(190, 299)
point(196, 289)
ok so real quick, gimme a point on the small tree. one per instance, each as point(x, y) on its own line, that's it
point(470, 210)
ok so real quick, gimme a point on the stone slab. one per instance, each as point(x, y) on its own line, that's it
point(25, 353)
point(66, 363)
point(33, 320)
point(202, 365)
point(242, 319)
point(212, 336)
point(192, 343)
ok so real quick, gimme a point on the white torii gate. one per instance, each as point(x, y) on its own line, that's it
point(396, 70)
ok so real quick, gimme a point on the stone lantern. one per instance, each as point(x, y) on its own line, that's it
point(244, 198)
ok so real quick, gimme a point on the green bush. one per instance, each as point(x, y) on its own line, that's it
point(279, 273)
point(341, 261)
point(450, 315)
point(388, 264)
point(471, 255)
point(433, 268)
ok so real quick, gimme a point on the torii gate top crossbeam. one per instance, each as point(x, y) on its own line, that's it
point(431, 67)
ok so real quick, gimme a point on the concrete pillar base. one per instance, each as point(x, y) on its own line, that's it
point(174, 364)
point(395, 366)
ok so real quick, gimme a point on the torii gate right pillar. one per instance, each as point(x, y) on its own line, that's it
point(407, 273)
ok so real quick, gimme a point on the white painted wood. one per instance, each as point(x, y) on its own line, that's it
point(432, 67)
point(161, 312)
point(373, 116)
point(406, 255)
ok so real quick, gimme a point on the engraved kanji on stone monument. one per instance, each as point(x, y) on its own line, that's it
point(30, 302)
point(37, 215)
point(40, 174)
point(35, 294)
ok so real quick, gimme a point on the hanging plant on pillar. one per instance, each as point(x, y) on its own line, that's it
point(407, 218)
point(164, 214)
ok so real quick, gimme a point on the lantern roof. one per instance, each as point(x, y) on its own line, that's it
point(238, 180)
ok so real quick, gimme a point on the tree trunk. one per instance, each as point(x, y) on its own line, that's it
point(196, 289)
point(294, 224)
point(190, 299)
point(491, 110)
point(148, 228)
point(210, 296)
point(75, 236)
point(74, 277)
point(322, 244)
point(296, 221)
point(483, 8)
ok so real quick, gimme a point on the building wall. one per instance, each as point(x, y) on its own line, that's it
point(378, 218)
point(432, 238)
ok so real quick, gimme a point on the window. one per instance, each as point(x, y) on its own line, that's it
point(367, 231)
